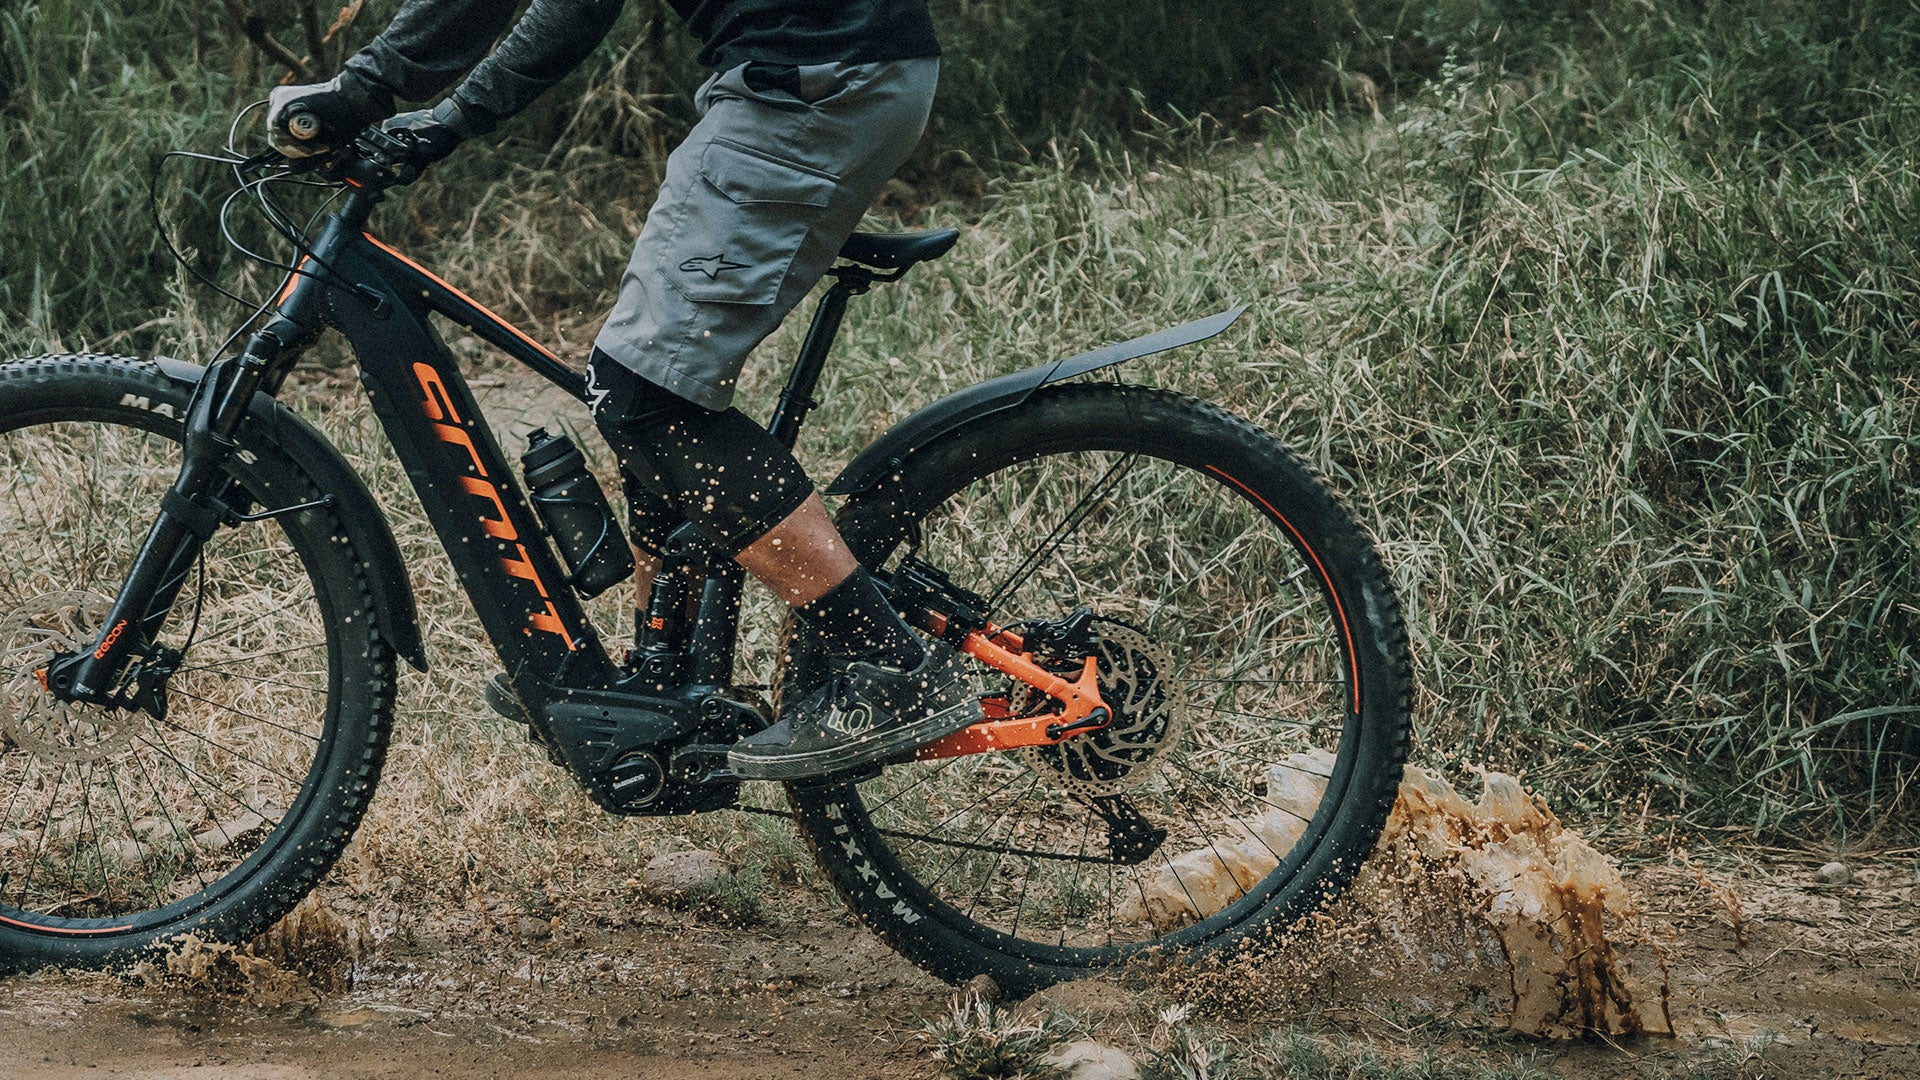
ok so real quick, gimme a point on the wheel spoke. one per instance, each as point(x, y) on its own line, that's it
point(40, 846)
point(1194, 544)
point(133, 834)
point(224, 748)
point(251, 716)
point(1064, 528)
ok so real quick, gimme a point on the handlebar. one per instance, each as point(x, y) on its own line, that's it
point(302, 123)
point(375, 159)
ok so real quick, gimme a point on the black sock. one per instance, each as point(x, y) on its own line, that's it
point(854, 620)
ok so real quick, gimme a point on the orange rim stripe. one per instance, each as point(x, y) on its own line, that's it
point(484, 309)
point(62, 930)
point(1353, 654)
point(293, 278)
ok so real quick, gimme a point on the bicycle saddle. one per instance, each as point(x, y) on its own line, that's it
point(897, 251)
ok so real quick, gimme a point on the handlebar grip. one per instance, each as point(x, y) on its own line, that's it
point(302, 124)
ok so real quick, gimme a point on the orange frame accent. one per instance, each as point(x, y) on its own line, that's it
point(64, 930)
point(477, 305)
point(1005, 652)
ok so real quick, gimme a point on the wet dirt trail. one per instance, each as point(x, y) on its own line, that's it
point(673, 1001)
point(1771, 976)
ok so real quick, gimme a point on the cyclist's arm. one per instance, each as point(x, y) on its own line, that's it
point(430, 42)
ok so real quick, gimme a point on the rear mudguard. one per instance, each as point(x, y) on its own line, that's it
point(366, 525)
point(883, 457)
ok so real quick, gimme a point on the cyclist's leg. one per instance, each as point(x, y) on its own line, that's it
point(750, 498)
point(649, 519)
point(756, 203)
point(744, 491)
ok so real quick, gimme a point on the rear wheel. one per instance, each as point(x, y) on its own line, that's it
point(120, 828)
point(1247, 638)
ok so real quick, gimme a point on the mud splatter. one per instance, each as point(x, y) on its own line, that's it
point(310, 952)
point(1490, 907)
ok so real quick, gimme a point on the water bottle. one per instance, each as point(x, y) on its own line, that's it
point(575, 512)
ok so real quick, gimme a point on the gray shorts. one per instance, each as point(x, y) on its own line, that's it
point(756, 203)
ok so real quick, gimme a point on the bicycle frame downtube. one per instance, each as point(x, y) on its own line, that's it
point(463, 479)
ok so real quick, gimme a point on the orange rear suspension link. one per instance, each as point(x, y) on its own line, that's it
point(1082, 710)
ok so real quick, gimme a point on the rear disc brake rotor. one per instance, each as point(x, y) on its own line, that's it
point(1134, 680)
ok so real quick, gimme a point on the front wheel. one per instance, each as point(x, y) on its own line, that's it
point(1247, 639)
point(121, 828)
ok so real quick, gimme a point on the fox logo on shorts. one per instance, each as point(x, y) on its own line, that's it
point(711, 265)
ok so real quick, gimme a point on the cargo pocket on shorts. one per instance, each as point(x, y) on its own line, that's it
point(738, 234)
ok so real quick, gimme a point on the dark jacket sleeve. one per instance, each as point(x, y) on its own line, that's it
point(430, 42)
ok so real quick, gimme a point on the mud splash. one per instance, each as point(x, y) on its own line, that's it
point(309, 953)
point(1491, 907)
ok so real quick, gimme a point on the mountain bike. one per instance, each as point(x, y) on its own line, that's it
point(1191, 662)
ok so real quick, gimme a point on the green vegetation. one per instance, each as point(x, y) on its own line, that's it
point(1607, 329)
point(91, 92)
point(978, 1040)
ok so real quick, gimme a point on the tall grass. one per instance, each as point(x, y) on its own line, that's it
point(1608, 332)
point(1616, 354)
point(91, 92)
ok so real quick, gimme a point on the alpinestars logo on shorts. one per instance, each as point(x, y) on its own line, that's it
point(711, 265)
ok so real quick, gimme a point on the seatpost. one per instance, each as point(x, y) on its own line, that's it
point(797, 400)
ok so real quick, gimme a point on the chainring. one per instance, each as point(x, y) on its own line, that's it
point(31, 718)
point(1134, 681)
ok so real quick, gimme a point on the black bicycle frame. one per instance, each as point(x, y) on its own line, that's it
point(380, 300)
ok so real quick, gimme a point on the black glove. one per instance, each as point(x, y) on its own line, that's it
point(322, 116)
point(436, 132)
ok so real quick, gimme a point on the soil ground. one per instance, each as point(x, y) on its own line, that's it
point(1772, 975)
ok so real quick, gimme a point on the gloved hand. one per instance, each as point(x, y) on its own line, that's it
point(436, 132)
point(339, 111)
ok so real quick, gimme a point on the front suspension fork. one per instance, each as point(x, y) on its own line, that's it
point(193, 508)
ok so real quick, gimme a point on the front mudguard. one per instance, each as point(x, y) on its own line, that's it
point(366, 525)
point(882, 459)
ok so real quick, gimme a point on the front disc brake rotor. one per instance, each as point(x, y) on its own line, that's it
point(31, 718)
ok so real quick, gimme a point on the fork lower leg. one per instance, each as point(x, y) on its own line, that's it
point(193, 508)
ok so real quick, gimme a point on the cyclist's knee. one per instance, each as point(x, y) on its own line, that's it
point(719, 470)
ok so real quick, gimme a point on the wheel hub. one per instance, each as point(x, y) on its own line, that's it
point(1134, 682)
point(31, 718)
